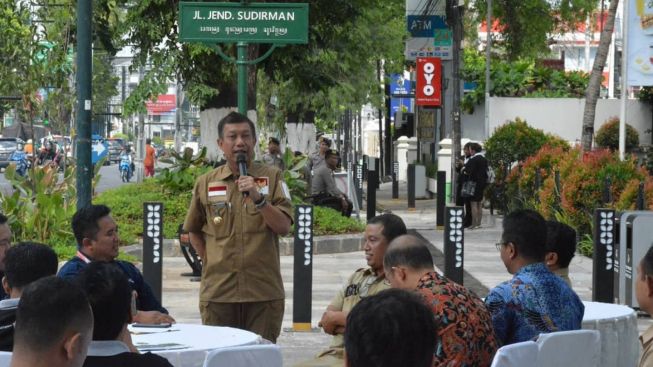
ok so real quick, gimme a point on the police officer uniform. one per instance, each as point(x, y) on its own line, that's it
point(241, 277)
point(362, 283)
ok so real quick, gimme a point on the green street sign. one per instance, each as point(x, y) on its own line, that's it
point(280, 23)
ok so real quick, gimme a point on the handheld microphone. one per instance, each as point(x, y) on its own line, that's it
point(241, 160)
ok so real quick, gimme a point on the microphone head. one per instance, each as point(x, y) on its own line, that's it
point(241, 158)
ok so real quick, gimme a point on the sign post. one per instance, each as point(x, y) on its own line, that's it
point(243, 23)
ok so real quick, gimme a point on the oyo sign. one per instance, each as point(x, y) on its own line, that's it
point(428, 91)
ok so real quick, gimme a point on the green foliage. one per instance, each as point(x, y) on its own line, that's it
point(646, 95)
point(293, 175)
point(126, 203)
point(337, 67)
point(527, 25)
point(515, 141)
point(41, 205)
point(582, 178)
point(184, 170)
point(608, 135)
point(329, 221)
point(520, 78)
point(157, 140)
point(36, 52)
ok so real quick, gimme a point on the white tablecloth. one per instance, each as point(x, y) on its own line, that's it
point(619, 336)
point(186, 345)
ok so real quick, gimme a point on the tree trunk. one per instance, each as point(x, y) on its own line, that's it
point(594, 87)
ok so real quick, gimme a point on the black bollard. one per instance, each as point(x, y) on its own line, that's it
point(302, 268)
point(372, 181)
point(603, 278)
point(359, 185)
point(411, 186)
point(395, 180)
point(153, 246)
point(441, 199)
point(454, 239)
point(607, 195)
point(377, 168)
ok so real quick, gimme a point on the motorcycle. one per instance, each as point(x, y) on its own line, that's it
point(125, 168)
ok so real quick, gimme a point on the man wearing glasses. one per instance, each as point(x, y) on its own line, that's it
point(379, 232)
point(535, 300)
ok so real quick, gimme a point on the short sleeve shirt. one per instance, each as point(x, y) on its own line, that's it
point(317, 161)
point(323, 182)
point(361, 284)
point(242, 253)
point(273, 160)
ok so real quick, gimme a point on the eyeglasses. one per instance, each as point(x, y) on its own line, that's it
point(499, 245)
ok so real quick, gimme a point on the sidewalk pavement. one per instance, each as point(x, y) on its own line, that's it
point(483, 270)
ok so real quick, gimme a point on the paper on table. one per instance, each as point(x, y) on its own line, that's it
point(144, 331)
point(147, 347)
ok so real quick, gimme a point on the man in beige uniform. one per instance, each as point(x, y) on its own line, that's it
point(237, 236)
point(379, 232)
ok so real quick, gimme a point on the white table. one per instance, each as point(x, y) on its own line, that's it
point(186, 345)
point(619, 335)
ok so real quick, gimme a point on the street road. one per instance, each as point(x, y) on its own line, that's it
point(110, 179)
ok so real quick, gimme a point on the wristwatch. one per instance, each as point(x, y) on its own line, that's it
point(261, 202)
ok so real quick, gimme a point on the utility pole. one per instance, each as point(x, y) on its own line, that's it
point(84, 96)
point(455, 10)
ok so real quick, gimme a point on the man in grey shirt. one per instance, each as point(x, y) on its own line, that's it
point(316, 159)
point(273, 156)
point(324, 189)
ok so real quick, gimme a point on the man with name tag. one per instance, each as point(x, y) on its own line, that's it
point(236, 215)
point(97, 240)
point(364, 282)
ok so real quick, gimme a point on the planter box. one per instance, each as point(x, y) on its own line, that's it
point(432, 185)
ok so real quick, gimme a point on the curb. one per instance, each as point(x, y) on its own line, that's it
point(332, 244)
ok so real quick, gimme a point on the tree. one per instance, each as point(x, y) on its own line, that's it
point(36, 54)
point(332, 71)
point(526, 25)
point(596, 77)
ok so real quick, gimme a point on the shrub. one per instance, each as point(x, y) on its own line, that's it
point(42, 204)
point(183, 170)
point(329, 221)
point(513, 142)
point(582, 177)
point(608, 135)
point(126, 203)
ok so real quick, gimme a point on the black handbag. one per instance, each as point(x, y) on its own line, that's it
point(468, 190)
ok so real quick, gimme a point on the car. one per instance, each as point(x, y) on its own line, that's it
point(7, 147)
point(115, 147)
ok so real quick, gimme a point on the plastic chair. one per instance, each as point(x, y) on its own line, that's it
point(5, 359)
point(259, 355)
point(516, 355)
point(579, 348)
